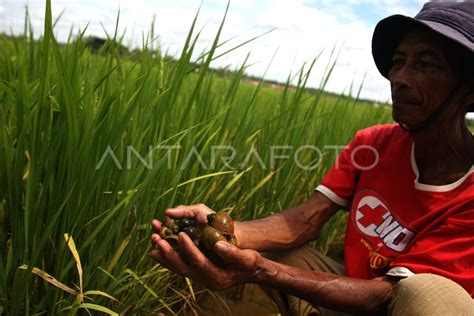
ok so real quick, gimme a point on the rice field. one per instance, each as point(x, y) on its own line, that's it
point(95, 145)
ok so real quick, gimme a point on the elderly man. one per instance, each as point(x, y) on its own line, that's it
point(409, 247)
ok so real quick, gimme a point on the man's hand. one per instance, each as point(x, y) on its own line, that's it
point(199, 212)
point(291, 228)
point(244, 265)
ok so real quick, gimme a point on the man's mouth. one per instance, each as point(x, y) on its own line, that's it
point(403, 101)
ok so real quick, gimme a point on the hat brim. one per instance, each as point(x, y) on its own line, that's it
point(390, 31)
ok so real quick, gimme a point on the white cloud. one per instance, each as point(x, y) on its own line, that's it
point(305, 28)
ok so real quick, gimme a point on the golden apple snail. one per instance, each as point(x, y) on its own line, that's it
point(165, 232)
point(192, 232)
point(220, 226)
point(210, 236)
point(185, 222)
point(171, 224)
point(222, 222)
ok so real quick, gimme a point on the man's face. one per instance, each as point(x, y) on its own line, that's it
point(421, 78)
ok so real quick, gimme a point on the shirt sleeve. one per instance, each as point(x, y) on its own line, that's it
point(340, 182)
point(447, 250)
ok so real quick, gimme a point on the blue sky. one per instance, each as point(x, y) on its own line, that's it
point(304, 30)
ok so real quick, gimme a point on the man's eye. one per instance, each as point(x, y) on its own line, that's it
point(426, 64)
point(397, 61)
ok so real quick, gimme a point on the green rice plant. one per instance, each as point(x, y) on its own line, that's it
point(96, 145)
point(79, 302)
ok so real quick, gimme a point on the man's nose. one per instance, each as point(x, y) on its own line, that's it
point(401, 76)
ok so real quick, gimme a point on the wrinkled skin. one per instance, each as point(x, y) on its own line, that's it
point(425, 71)
point(243, 263)
point(248, 266)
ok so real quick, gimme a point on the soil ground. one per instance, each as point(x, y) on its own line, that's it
point(247, 300)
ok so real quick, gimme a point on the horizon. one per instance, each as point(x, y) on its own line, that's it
point(295, 40)
point(300, 33)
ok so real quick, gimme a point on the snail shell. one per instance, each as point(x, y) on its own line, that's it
point(210, 236)
point(171, 224)
point(173, 241)
point(231, 239)
point(222, 222)
point(168, 235)
point(186, 222)
point(164, 232)
point(192, 232)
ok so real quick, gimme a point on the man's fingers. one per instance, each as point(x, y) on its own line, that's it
point(155, 253)
point(155, 226)
point(244, 259)
point(203, 268)
point(193, 255)
point(197, 211)
point(226, 252)
point(180, 211)
point(169, 258)
point(154, 239)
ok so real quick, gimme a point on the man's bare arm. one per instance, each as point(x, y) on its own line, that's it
point(328, 290)
point(292, 227)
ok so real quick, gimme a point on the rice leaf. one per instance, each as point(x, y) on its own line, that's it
point(75, 254)
point(50, 279)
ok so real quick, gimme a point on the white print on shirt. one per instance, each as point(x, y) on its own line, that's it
point(374, 219)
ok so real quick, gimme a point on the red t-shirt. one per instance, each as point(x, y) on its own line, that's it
point(397, 225)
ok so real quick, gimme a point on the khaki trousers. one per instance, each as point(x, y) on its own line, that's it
point(421, 294)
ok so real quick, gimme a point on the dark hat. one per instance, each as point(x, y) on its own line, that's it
point(453, 20)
